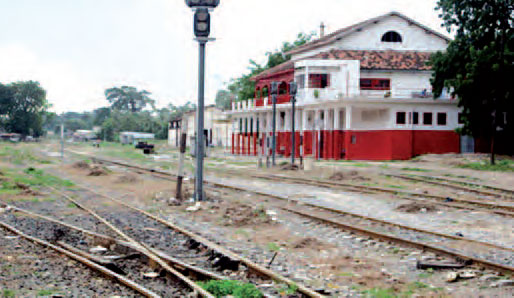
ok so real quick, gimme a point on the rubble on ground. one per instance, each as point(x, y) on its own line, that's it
point(416, 208)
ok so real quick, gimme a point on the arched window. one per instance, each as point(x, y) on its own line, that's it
point(265, 92)
point(391, 36)
point(258, 92)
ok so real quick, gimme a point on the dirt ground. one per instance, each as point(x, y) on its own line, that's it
point(321, 257)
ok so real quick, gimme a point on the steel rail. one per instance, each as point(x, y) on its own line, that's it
point(173, 261)
point(487, 207)
point(121, 279)
point(486, 263)
point(221, 185)
point(448, 183)
point(416, 244)
point(140, 246)
point(250, 264)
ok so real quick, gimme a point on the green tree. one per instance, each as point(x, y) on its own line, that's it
point(478, 65)
point(243, 88)
point(99, 115)
point(223, 99)
point(23, 106)
point(127, 98)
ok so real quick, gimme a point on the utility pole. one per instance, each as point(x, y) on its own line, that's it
point(274, 93)
point(293, 88)
point(202, 30)
point(199, 123)
point(62, 139)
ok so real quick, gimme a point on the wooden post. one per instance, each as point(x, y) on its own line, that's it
point(183, 140)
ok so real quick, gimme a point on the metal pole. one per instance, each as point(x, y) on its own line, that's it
point(293, 137)
point(199, 123)
point(62, 140)
point(183, 141)
point(274, 124)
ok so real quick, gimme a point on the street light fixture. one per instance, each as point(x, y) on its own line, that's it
point(202, 30)
point(202, 3)
point(274, 94)
point(293, 89)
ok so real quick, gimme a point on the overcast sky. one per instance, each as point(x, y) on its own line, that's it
point(78, 48)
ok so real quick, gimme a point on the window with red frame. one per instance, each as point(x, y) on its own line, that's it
point(319, 80)
point(375, 84)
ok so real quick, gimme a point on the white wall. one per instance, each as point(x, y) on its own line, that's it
point(387, 118)
point(414, 38)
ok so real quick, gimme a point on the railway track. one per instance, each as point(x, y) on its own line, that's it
point(446, 201)
point(81, 257)
point(452, 202)
point(481, 189)
point(444, 244)
point(126, 269)
point(207, 256)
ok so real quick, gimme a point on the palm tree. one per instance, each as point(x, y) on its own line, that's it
point(127, 98)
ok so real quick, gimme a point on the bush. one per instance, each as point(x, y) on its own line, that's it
point(222, 288)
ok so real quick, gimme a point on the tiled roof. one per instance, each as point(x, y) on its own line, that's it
point(370, 60)
point(279, 68)
point(381, 60)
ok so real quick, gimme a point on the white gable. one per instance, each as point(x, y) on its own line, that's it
point(369, 37)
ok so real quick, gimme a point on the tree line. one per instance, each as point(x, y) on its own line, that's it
point(24, 109)
point(129, 109)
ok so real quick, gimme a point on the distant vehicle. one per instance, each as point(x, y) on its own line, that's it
point(12, 137)
point(147, 148)
point(128, 137)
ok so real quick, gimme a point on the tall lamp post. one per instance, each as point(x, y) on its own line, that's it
point(202, 29)
point(274, 94)
point(293, 88)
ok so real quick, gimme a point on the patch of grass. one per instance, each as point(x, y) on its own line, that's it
point(20, 156)
point(379, 293)
point(234, 288)
point(272, 246)
point(345, 274)
point(415, 170)
point(8, 293)
point(395, 186)
point(47, 292)
point(40, 178)
point(500, 166)
point(426, 274)
point(71, 205)
point(288, 290)
point(242, 232)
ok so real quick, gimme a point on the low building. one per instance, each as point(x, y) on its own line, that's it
point(129, 137)
point(217, 128)
point(13, 137)
point(83, 135)
point(364, 92)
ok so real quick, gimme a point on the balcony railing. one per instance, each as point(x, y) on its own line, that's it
point(313, 95)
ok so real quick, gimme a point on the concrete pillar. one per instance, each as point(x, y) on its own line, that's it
point(317, 119)
point(287, 121)
point(348, 118)
point(306, 87)
point(336, 118)
point(326, 119)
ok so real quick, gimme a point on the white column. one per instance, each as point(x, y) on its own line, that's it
point(305, 119)
point(306, 87)
point(326, 120)
point(336, 118)
point(348, 118)
point(269, 117)
point(287, 121)
point(298, 120)
point(317, 119)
